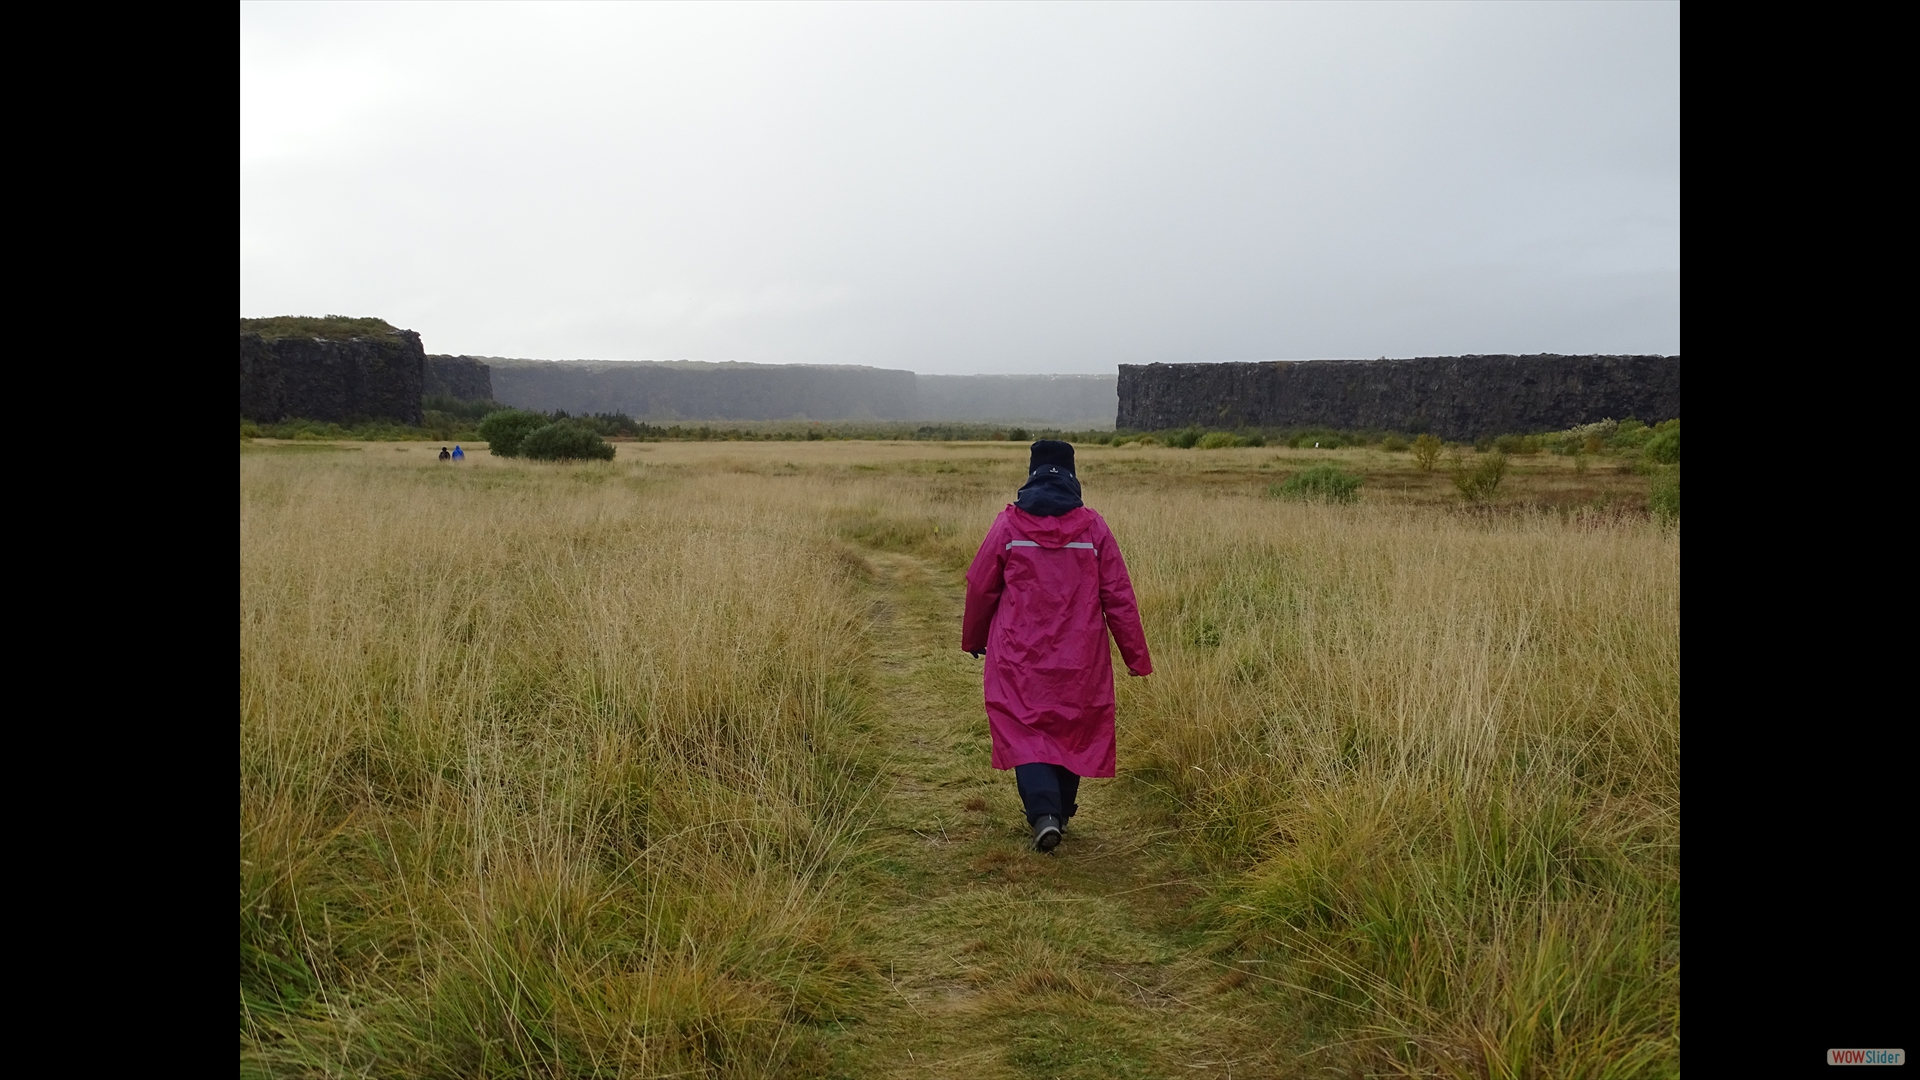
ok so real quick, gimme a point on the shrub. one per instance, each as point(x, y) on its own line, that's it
point(1663, 498)
point(1219, 440)
point(1426, 452)
point(1631, 434)
point(1517, 444)
point(566, 440)
point(506, 429)
point(1018, 434)
point(458, 408)
point(1320, 483)
point(1185, 439)
point(1393, 444)
point(1664, 448)
point(1479, 480)
point(249, 429)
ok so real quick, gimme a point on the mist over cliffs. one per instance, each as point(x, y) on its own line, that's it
point(461, 377)
point(687, 390)
point(1066, 401)
point(343, 369)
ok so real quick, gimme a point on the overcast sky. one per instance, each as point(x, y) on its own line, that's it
point(956, 188)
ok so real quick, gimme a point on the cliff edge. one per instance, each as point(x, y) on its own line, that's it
point(332, 369)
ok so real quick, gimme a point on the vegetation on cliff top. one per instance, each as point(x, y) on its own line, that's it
point(330, 327)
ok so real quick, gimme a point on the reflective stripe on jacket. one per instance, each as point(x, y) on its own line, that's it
point(1042, 595)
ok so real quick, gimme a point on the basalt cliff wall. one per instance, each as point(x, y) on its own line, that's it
point(461, 377)
point(1453, 397)
point(336, 379)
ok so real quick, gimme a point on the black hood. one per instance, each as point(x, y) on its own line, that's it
point(1049, 492)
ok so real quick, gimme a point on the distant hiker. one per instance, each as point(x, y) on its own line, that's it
point(1042, 594)
point(459, 454)
point(444, 456)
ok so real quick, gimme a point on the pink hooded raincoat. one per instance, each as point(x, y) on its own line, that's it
point(1042, 595)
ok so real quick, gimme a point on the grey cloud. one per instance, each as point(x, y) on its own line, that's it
point(969, 188)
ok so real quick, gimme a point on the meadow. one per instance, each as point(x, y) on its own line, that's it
point(671, 766)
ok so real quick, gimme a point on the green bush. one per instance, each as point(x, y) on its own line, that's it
point(249, 429)
point(1517, 444)
point(1323, 440)
point(441, 427)
point(458, 408)
point(1426, 452)
point(1663, 498)
point(1322, 483)
point(1478, 481)
point(1394, 444)
point(1186, 438)
point(1664, 448)
point(506, 429)
point(1219, 440)
point(566, 440)
point(1630, 435)
point(1019, 434)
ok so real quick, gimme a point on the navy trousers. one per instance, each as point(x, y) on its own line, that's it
point(1047, 789)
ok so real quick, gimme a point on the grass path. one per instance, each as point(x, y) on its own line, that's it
point(1003, 962)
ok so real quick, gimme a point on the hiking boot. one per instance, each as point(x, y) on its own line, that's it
point(1046, 833)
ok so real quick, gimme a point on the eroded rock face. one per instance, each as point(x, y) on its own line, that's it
point(336, 380)
point(461, 377)
point(1453, 397)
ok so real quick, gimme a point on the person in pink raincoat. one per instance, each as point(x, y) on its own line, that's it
point(1042, 595)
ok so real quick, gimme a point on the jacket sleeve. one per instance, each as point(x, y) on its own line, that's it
point(986, 580)
point(1121, 610)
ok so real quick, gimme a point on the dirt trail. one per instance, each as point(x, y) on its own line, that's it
point(1003, 962)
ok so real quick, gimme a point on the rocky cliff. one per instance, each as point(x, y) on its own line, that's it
point(1454, 397)
point(315, 370)
point(461, 377)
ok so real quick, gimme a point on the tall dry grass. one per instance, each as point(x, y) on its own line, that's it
point(547, 771)
point(544, 771)
point(1438, 756)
